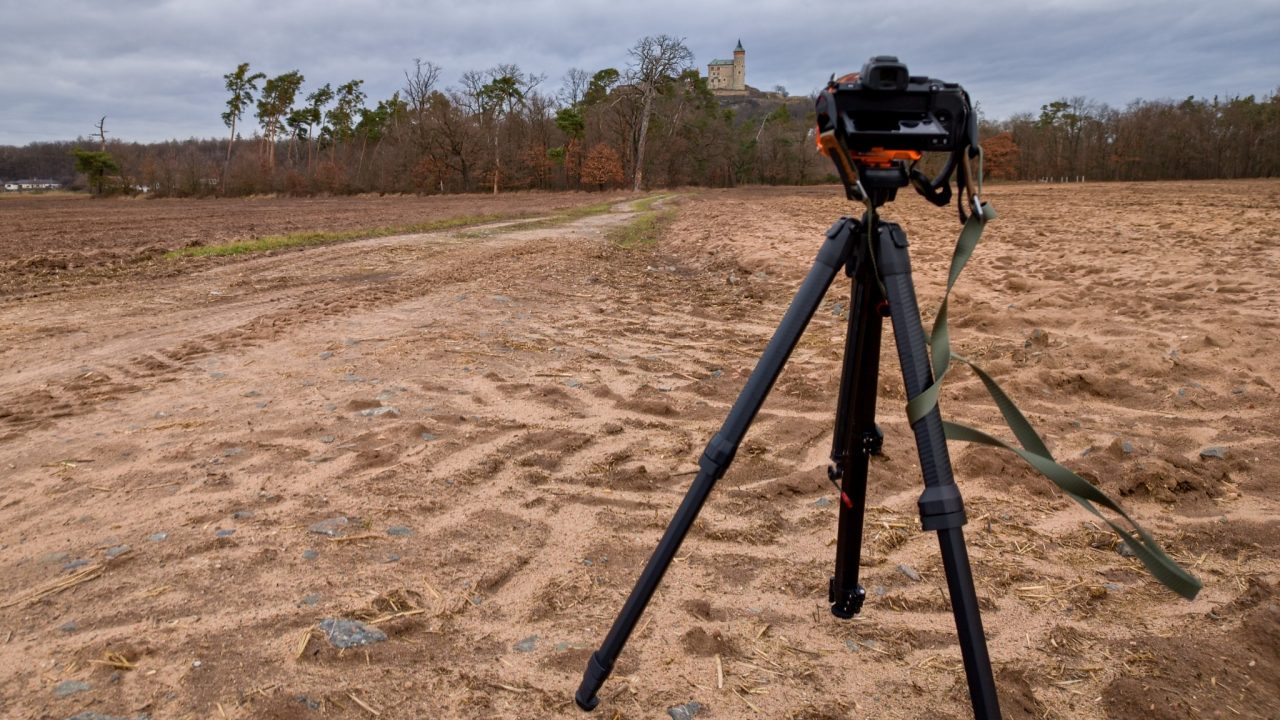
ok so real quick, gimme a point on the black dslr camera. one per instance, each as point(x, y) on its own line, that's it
point(884, 108)
point(877, 124)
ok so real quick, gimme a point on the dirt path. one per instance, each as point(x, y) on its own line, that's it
point(108, 339)
point(506, 421)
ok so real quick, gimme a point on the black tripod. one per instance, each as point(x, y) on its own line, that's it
point(876, 258)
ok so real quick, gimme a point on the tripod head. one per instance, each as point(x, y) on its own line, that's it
point(877, 124)
point(878, 183)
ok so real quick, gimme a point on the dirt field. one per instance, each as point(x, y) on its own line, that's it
point(60, 240)
point(506, 422)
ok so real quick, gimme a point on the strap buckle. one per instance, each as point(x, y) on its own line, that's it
point(976, 204)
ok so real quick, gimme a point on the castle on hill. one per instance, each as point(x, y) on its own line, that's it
point(729, 77)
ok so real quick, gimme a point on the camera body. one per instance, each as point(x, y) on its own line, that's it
point(884, 108)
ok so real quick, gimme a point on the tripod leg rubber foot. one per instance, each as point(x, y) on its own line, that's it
point(588, 704)
point(592, 679)
point(845, 604)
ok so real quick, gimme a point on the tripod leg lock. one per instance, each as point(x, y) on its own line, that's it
point(941, 507)
point(873, 441)
point(716, 458)
point(834, 253)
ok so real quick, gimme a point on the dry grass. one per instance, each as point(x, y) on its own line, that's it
point(644, 230)
point(57, 586)
point(306, 239)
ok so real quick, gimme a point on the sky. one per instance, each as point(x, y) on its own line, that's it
point(155, 68)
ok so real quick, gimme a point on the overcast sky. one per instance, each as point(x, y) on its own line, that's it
point(155, 68)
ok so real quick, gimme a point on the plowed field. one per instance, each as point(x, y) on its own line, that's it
point(471, 440)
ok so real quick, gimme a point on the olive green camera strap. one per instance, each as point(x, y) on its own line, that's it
point(1030, 446)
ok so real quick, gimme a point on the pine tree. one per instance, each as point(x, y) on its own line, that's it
point(242, 86)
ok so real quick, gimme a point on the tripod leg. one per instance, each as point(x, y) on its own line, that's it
point(720, 451)
point(941, 507)
point(856, 436)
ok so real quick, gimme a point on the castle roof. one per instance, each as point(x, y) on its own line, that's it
point(720, 62)
point(739, 48)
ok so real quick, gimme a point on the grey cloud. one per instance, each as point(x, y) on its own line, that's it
point(155, 68)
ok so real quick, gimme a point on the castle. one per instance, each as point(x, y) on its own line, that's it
point(729, 77)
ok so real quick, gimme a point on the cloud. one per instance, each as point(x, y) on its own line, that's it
point(154, 68)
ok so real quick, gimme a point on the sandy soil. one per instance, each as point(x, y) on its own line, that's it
point(508, 421)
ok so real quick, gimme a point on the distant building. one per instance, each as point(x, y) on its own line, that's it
point(729, 77)
point(20, 185)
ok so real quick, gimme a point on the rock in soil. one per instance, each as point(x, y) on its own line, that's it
point(67, 688)
point(686, 711)
point(344, 634)
point(332, 527)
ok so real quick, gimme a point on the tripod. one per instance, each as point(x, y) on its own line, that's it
point(874, 255)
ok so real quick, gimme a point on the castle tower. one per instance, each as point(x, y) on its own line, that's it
point(739, 68)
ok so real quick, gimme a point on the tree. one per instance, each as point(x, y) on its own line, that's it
point(274, 106)
point(493, 96)
point(655, 62)
point(373, 124)
point(576, 82)
point(300, 121)
point(419, 86)
point(1000, 156)
point(602, 166)
point(571, 122)
point(95, 164)
point(102, 133)
point(499, 97)
point(453, 137)
point(242, 86)
point(341, 119)
point(312, 114)
point(600, 85)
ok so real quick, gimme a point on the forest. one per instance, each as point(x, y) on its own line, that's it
point(653, 123)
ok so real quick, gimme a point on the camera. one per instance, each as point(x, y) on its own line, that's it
point(885, 108)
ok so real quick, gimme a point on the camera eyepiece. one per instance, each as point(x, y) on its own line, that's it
point(884, 73)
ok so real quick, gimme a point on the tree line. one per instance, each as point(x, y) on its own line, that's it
point(651, 123)
point(1190, 139)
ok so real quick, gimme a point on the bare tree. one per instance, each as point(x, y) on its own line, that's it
point(656, 61)
point(102, 133)
point(454, 139)
point(419, 93)
point(419, 83)
point(576, 81)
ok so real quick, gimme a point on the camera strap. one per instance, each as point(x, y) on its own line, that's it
point(1030, 447)
point(937, 190)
